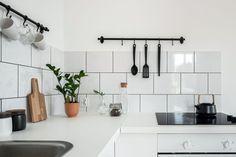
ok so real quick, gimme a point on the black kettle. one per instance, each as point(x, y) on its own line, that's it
point(206, 109)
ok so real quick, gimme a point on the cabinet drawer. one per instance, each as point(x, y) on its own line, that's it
point(196, 143)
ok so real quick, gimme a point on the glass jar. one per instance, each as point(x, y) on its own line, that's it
point(103, 108)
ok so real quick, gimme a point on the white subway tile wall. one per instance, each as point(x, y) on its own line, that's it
point(184, 75)
point(18, 64)
point(182, 79)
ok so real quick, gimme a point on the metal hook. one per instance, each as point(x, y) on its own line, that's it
point(172, 42)
point(159, 41)
point(38, 26)
point(25, 19)
point(134, 41)
point(145, 42)
point(8, 10)
point(122, 42)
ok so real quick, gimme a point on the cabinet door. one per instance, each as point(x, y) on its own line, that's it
point(136, 145)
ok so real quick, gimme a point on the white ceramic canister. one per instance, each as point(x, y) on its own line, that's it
point(5, 124)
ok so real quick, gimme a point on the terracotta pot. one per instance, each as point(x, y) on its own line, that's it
point(72, 109)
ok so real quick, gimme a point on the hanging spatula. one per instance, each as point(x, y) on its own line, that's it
point(145, 67)
point(159, 60)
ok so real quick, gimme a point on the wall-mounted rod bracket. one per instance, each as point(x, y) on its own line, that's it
point(26, 18)
point(181, 39)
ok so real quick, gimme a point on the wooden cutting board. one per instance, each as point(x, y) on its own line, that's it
point(36, 101)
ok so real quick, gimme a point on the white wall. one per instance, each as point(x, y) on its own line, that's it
point(49, 13)
point(206, 25)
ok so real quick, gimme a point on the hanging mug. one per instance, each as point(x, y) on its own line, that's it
point(9, 28)
point(39, 41)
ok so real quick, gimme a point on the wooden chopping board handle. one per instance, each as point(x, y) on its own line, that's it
point(34, 84)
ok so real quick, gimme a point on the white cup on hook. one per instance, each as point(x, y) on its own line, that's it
point(9, 28)
point(39, 41)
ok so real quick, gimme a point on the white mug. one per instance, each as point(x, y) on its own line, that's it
point(39, 41)
point(9, 28)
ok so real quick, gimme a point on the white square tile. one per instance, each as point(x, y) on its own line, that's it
point(75, 61)
point(180, 103)
point(25, 76)
point(57, 58)
point(152, 61)
point(167, 83)
point(41, 57)
point(89, 83)
point(180, 62)
point(139, 85)
point(48, 86)
point(57, 105)
point(208, 61)
point(194, 83)
point(110, 82)
point(17, 103)
point(133, 103)
point(153, 103)
point(214, 83)
point(15, 52)
point(208, 99)
point(95, 100)
point(8, 80)
point(123, 61)
point(99, 61)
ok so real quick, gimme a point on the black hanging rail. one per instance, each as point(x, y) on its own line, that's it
point(26, 18)
point(181, 39)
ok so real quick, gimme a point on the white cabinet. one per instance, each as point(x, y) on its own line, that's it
point(108, 150)
point(136, 145)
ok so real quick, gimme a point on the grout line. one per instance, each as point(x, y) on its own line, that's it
point(167, 103)
point(128, 72)
point(31, 55)
point(194, 62)
point(208, 83)
point(1, 49)
point(153, 88)
point(112, 61)
point(167, 61)
point(180, 92)
point(86, 61)
point(18, 81)
point(140, 105)
point(99, 81)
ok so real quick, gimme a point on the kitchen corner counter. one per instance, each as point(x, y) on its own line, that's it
point(89, 133)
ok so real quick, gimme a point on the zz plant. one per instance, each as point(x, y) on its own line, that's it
point(68, 84)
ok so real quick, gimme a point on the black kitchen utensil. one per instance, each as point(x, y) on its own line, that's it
point(134, 68)
point(159, 60)
point(206, 109)
point(145, 67)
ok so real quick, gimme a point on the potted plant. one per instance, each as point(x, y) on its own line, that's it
point(68, 86)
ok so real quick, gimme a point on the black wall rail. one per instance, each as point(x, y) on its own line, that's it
point(181, 39)
point(40, 27)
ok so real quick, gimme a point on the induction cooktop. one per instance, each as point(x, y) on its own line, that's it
point(194, 119)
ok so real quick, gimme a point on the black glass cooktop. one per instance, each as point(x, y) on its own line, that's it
point(194, 119)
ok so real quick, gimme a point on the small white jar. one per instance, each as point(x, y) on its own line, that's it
point(5, 124)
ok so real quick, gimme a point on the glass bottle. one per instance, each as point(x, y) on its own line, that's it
point(124, 97)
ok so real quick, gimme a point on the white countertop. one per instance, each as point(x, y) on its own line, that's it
point(89, 133)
